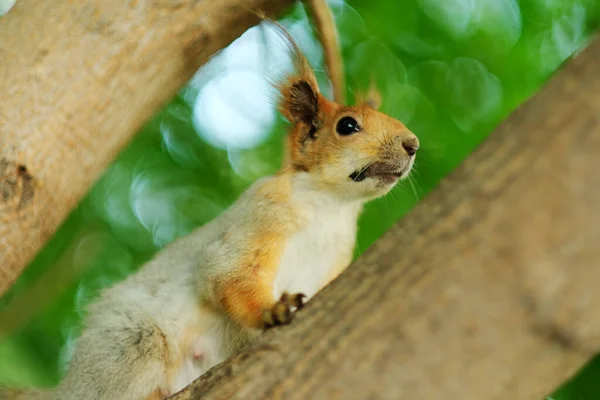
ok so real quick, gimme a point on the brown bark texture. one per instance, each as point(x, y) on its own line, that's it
point(77, 80)
point(488, 289)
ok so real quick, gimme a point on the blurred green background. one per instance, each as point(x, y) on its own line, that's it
point(450, 70)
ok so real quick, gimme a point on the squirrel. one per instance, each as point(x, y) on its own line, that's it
point(207, 294)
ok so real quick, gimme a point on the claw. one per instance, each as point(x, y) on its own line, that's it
point(281, 312)
point(294, 300)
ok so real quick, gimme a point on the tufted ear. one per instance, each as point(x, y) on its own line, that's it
point(300, 101)
point(373, 97)
point(299, 91)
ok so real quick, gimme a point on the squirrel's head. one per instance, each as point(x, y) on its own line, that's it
point(355, 151)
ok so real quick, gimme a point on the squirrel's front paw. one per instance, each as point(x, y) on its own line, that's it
point(281, 312)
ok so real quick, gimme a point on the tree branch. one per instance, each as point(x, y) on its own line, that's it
point(328, 36)
point(488, 287)
point(78, 79)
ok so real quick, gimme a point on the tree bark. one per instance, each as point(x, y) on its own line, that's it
point(488, 289)
point(77, 80)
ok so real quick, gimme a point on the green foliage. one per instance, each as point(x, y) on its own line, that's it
point(450, 70)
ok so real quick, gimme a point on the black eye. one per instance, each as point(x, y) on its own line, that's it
point(347, 126)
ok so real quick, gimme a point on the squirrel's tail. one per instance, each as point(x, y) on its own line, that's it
point(23, 394)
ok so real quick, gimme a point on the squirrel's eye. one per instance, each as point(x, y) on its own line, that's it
point(347, 126)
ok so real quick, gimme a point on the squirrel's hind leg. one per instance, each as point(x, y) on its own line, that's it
point(123, 356)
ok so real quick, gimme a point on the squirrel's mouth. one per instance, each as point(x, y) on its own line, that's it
point(386, 173)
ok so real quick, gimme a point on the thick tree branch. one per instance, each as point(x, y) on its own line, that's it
point(488, 288)
point(77, 79)
point(328, 36)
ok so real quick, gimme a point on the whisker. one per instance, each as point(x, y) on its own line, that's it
point(392, 194)
point(410, 181)
point(415, 171)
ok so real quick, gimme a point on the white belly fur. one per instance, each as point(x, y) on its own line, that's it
point(311, 254)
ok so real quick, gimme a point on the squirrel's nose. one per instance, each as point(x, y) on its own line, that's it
point(411, 145)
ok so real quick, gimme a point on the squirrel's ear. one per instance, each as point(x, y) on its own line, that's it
point(300, 101)
point(373, 98)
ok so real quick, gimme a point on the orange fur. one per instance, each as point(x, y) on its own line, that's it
point(156, 395)
point(277, 191)
point(245, 299)
point(245, 295)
